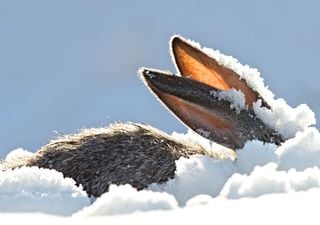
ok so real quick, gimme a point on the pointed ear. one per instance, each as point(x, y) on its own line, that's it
point(190, 101)
point(197, 65)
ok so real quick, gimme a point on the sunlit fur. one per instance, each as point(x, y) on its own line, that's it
point(118, 154)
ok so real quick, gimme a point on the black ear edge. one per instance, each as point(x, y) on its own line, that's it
point(193, 114)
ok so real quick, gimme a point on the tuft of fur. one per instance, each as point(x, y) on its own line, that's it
point(121, 153)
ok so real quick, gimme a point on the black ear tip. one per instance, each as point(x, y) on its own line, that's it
point(176, 39)
point(142, 71)
point(146, 73)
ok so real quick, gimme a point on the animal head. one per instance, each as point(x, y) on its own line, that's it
point(198, 97)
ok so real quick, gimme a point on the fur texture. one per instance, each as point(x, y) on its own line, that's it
point(121, 153)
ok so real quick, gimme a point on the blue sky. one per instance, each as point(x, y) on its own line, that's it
point(66, 65)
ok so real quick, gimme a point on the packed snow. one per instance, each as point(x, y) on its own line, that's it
point(264, 184)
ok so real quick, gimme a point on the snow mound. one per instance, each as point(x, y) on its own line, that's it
point(259, 169)
point(18, 153)
point(267, 180)
point(197, 175)
point(125, 199)
point(300, 152)
point(285, 119)
point(30, 189)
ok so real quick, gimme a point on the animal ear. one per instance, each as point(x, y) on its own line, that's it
point(190, 101)
point(197, 65)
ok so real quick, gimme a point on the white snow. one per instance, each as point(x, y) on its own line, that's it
point(30, 189)
point(197, 175)
point(300, 152)
point(284, 118)
point(126, 199)
point(17, 154)
point(235, 97)
point(265, 184)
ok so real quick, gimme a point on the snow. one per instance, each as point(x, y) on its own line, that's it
point(300, 152)
point(264, 184)
point(284, 118)
point(197, 175)
point(262, 177)
point(40, 190)
point(235, 97)
point(125, 199)
point(292, 208)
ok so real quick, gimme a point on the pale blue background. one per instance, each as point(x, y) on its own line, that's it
point(70, 64)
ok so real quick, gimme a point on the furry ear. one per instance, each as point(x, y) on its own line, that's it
point(189, 101)
point(192, 102)
point(197, 65)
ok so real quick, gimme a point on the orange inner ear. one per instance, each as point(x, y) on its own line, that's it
point(200, 118)
point(197, 65)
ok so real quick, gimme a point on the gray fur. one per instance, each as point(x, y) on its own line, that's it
point(121, 153)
